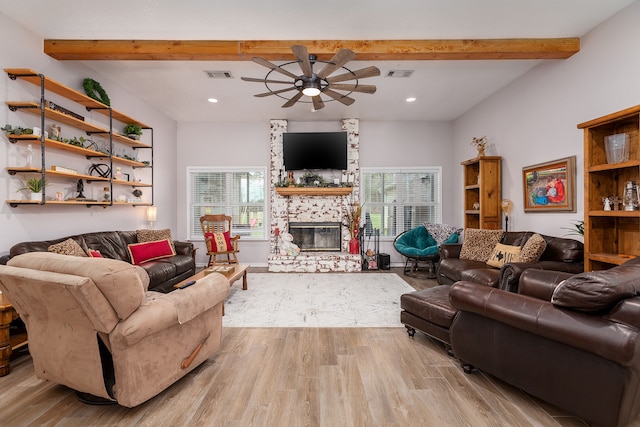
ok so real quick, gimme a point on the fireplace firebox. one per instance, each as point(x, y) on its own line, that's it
point(317, 236)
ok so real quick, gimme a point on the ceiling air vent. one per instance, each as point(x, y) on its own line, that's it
point(218, 74)
point(399, 74)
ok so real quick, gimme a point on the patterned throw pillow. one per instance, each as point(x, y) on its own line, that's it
point(147, 235)
point(503, 254)
point(147, 251)
point(68, 247)
point(478, 244)
point(218, 242)
point(532, 250)
point(440, 232)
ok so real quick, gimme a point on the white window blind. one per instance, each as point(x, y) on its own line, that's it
point(400, 199)
point(238, 192)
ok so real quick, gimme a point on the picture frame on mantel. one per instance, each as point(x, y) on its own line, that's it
point(550, 186)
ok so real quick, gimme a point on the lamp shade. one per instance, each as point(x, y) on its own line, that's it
point(151, 213)
point(507, 206)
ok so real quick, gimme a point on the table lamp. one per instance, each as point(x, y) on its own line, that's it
point(507, 206)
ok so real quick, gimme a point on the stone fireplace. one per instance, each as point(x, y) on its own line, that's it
point(313, 207)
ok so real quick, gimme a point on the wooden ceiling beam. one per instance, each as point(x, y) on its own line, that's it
point(280, 50)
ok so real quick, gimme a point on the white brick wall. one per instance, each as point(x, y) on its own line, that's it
point(312, 208)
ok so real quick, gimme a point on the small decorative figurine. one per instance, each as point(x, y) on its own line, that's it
point(80, 189)
point(607, 203)
point(287, 247)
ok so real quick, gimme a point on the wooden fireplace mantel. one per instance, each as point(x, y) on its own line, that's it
point(314, 191)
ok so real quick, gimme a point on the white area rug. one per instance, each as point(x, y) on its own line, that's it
point(321, 300)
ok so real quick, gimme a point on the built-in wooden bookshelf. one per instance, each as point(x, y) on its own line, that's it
point(482, 192)
point(611, 237)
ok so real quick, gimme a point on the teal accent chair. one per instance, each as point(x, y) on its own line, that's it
point(419, 247)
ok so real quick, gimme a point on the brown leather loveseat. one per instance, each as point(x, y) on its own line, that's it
point(560, 254)
point(163, 272)
point(572, 340)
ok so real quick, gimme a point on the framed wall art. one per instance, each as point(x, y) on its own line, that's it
point(550, 186)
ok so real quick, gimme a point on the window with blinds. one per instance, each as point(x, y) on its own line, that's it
point(401, 199)
point(237, 192)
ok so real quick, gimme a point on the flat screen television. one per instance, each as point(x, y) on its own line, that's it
point(314, 150)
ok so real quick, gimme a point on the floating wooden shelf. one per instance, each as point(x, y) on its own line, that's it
point(53, 86)
point(314, 191)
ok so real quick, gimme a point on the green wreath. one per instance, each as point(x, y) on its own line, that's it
point(93, 90)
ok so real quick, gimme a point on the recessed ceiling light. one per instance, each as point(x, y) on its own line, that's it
point(212, 100)
point(411, 99)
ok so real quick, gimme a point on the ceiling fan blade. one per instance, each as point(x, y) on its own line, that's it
point(274, 67)
point(339, 59)
point(293, 100)
point(339, 97)
point(318, 103)
point(275, 92)
point(358, 74)
point(302, 55)
point(251, 79)
point(353, 88)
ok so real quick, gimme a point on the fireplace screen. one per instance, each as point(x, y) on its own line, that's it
point(316, 236)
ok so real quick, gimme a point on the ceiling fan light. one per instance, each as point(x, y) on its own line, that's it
point(311, 91)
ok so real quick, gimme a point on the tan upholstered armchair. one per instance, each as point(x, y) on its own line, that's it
point(94, 327)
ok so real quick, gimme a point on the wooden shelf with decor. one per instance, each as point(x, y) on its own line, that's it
point(482, 192)
point(14, 203)
point(610, 237)
point(314, 191)
point(51, 85)
point(46, 109)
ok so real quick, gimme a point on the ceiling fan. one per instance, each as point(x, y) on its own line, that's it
point(315, 84)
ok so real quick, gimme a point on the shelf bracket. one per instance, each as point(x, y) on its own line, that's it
point(15, 108)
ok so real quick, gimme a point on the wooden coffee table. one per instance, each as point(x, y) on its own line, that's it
point(238, 271)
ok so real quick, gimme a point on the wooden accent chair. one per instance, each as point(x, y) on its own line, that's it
point(217, 235)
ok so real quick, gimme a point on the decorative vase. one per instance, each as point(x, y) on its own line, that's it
point(354, 246)
point(481, 150)
point(36, 197)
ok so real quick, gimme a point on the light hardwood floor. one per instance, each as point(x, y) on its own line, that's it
point(300, 377)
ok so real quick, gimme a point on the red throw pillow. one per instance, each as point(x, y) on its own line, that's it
point(147, 251)
point(218, 242)
point(94, 254)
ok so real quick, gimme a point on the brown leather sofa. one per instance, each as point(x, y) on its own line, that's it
point(575, 344)
point(163, 273)
point(560, 255)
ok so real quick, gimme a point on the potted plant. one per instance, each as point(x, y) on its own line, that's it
point(133, 131)
point(35, 186)
point(576, 229)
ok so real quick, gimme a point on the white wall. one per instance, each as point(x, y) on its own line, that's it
point(19, 48)
point(382, 144)
point(534, 119)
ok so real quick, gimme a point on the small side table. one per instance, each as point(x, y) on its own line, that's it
point(8, 343)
